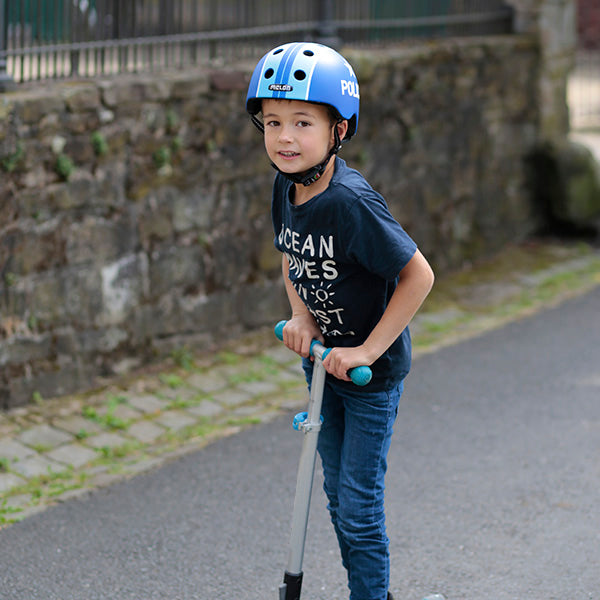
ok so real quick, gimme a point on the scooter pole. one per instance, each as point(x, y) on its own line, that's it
point(310, 424)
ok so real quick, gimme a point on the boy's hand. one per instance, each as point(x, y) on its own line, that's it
point(299, 332)
point(341, 360)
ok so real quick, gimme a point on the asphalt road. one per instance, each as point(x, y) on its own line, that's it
point(493, 492)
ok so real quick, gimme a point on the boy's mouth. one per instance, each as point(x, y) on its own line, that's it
point(287, 154)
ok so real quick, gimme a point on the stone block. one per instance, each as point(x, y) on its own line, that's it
point(45, 436)
point(81, 96)
point(124, 284)
point(175, 420)
point(96, 239)
point(37, 466)
point(37, 248)
point(122, 91)
point(106, 440)
point(14, 450)
point(261, 304)
point(258, 388)
point(31, 106)
point(232, 260)
point(74, 455)
point(193, 209)
point(156, 221)
point(61, 378)
point(9, 481)
point(21, 349)
point(232, 397)
point(206, 409)
point(176, 268)
point(206, 382)
point(146, 431)
point(190, 85)
point(148, 404)
point(76, 425)
point(229, 80)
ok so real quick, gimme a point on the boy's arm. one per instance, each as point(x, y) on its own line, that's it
point(302, 328)
point(414, 283)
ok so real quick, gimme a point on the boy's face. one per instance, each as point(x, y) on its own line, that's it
point(298, 135)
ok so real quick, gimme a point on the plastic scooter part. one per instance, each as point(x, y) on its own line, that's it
point(360, 375)
point(300, 419)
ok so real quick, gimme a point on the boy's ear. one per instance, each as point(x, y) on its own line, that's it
point(342, 128)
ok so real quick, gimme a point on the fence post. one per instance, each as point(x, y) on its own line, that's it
point(6, 81)
point(327, 32)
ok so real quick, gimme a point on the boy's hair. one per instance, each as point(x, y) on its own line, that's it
point(332, 112)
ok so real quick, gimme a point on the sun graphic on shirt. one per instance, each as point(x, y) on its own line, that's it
point(323, 294)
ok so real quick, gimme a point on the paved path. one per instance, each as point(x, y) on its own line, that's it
point(492, 492)
point(62, 448)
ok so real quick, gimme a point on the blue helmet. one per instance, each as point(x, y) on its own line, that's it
point(310, 72)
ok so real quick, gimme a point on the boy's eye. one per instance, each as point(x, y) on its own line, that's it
point(303, 124)
point(272, 123)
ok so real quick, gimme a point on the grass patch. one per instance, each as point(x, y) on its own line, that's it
point(229, 358)
point(50, 485)
point(7, 514)
point(512, 285)
point(109, 453)
point(109, 419)
point(183, 358)
point(171, 380)
point(259, 369)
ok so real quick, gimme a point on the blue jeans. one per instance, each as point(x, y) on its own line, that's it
point(353, 445)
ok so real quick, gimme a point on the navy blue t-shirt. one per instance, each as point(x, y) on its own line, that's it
point(345, 252)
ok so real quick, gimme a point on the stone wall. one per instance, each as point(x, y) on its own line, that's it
point(134, 212)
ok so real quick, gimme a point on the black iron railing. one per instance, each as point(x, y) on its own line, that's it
point(74, 38)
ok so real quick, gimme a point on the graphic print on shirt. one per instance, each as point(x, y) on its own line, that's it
point(313, 273)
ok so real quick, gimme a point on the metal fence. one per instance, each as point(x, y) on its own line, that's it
point(78, 38)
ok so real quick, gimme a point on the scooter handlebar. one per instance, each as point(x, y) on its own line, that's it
point(359, 375)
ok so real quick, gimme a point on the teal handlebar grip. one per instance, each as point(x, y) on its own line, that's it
point(360, 375)
point(279, 330)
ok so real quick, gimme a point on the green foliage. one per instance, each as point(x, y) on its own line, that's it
point(172, 120)
point(171, 379)
point(10, 279)
point(99, 143)
point(6, 510)
point(108, 419)
point(10, 162)
point(64, 167)
point(183, 358)
point(176, 144)
point(162, 157)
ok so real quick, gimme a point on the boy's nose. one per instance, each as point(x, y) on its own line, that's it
point(285, 134)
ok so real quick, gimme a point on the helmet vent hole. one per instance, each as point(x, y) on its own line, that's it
point(309, 53)
point(300, 75)
point(269, 73)
point(278, 51)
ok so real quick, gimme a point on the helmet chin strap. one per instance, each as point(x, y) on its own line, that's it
point(313, 174)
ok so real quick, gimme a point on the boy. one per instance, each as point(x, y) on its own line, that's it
point(354, 280)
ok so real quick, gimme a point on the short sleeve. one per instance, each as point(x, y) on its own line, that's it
point(375, 240)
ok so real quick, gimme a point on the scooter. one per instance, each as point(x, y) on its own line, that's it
point(309, 423)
